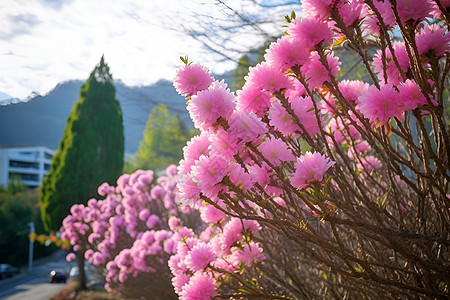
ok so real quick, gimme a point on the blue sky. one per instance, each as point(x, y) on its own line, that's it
point(44, 42)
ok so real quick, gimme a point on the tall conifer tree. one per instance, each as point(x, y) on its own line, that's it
point(90, 153)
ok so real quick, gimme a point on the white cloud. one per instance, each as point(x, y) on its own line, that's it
point(47, 41)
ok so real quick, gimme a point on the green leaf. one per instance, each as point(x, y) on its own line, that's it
point(286, 17)
point(325, 276)
point(293, 15)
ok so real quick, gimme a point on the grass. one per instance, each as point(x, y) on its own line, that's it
point(72, 291)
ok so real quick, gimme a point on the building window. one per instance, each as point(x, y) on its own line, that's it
point(46, 167)
point(32, 177)
point(23, 165)
point(48, 155)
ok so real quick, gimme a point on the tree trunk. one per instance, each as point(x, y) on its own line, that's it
point(82, 274)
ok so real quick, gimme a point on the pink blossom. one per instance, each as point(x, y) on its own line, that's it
point(433, 39)
point(280, 201)
point(379, 106)
point(197, 146)
point(179, 281)
point(310, 168)
point(361, 147)
point(246, 126)
point(352, 11)
point(209, 105)
point(297, 90)
point(152, 221)
point(392, 72)
point(201, 286)
point(416, 10)
point(249, 254)
point(240, 177)
point(352, 89)
point(287, 52)
point(157, 191)
point(369, 163)
point(192, 78)
point(275, 151)
point(209, 170)
point(252, 99)
point(210, 214)
point(311, 32)
point(199, 257)
point(71, 256)
point(260, 174)
point(410, 95)
point(267, 78)
point(317, 8)
point(316, 72)
point(285, 122)
point(224, 143)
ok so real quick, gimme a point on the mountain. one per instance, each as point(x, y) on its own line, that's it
point(4, 96)
point(40, 120)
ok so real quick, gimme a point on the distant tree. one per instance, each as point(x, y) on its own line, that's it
point(164, 138)
point(16, 211)
point(90, 153)
point(15, 185)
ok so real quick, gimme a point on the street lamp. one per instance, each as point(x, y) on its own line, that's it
point(30, 253)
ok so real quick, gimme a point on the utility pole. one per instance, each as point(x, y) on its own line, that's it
point(30, 253)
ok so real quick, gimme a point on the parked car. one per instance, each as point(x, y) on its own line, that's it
point(57, 276)
point(7, 271)
point(75, 272)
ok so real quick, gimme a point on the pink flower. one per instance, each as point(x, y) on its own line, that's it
point(199, 257)
point(372, 23)
point(224, 144)
point(433, 39)
point(297, 90)
point(285, 122)
point(275, 151)
point(410, 95)
point(246, 126)
point(316, 72)
point(352, 11)
point(189, 190)
point(197, 146)
point(201, 286)
point(253, 99)
point(251, 253)
point(209, 170)
point(267, 78)
point(369, 163)
point(352, 89)
point(310, 168)
point(360, 148)
point(287, 52)
point(207, 106)
point(311, 32)
point(241, 178)
point(210, 214)
point(379, 106)
point(393, 74)
point(191, 79)
point(179, 281)
point(416, 10)
point(71, 256)
point(317, 8)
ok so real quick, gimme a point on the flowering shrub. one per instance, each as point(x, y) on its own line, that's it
point(346, 181)
point(127, 236)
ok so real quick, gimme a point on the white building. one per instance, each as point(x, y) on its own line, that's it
point(30, 163)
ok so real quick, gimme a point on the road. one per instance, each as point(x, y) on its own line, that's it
point(35, 285)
